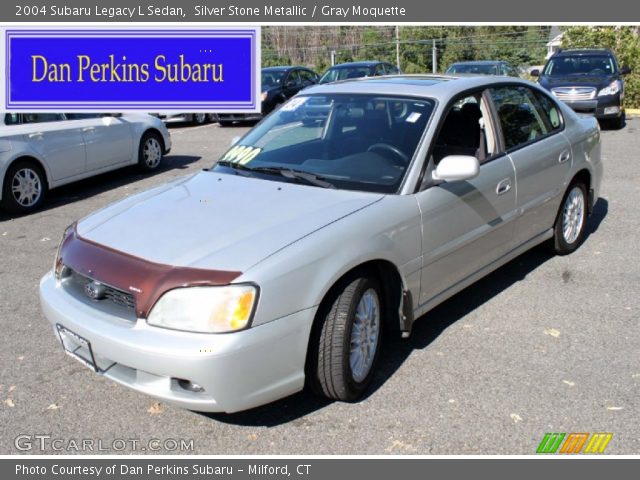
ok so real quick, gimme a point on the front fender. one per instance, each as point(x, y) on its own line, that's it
point(299, 276)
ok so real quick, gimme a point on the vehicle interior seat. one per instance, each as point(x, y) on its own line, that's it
point(460, 134)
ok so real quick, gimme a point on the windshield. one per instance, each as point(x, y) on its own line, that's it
point(272, 79)
point(344, 73)
point(473, 68)
point(580, 65)
point(355, 142)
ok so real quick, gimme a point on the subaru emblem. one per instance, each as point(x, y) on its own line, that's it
point(94, 290)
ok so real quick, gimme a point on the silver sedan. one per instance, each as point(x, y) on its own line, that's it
point(336, 222)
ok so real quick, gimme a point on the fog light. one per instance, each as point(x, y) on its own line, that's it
point(611, 110)
point(192, 387)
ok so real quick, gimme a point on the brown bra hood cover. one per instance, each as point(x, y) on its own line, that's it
point(146, 281)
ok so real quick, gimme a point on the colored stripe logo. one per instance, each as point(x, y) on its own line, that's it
point(573, 443)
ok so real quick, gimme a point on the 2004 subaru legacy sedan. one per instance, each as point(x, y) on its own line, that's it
point(340, 218)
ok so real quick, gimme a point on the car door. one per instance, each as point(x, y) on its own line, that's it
point(531, 125)
point(468, 224)
point(108, 139)
point(57, 142)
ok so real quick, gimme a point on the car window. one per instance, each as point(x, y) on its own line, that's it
point(271, 79)
point(520, 114)
point(307, 77)
point(379, 70)
point(354, 142)
point(550, 110)
point(580, 65)
point(466, 130)
point(293, 78)
point(82, 116)
point(12, 119)
point(392, 69)
point(41, 117)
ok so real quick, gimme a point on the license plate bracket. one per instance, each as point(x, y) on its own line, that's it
point(77, 347)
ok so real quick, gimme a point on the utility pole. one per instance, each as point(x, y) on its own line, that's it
point(333, 57)
point(398, 47)
point(434, 58)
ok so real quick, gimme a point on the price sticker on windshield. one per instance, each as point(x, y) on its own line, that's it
point(241, 154)
point(294, 104)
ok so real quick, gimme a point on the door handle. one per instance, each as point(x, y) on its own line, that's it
point(564, 156)
point(88, 129)
point(503, 187)
point(35, 135)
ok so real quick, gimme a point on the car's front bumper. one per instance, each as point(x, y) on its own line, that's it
point(237, 370)
point(601, 107)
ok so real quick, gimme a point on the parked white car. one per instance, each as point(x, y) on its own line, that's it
point(41, 151)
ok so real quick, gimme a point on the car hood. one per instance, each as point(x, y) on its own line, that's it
point(218, 221)
point(577, 81)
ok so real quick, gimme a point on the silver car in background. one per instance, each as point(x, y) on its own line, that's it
point(41, 151)
point(338, 220)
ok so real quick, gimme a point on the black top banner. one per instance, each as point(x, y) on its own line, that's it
point(371, 11)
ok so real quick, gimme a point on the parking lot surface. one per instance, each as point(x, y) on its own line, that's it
point(544, 344)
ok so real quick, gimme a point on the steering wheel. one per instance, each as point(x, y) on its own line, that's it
point(400, 158)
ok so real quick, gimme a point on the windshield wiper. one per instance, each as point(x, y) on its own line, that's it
point(292, 174)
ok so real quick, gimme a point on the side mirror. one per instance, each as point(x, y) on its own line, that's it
point(234, 140)
point(453, 168)
point(535, 72)
point(625, 71)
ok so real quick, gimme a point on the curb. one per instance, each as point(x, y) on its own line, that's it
point(632, 112)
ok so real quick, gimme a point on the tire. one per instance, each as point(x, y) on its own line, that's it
point(619, 123)
point(198, 118)
point(570, 226)
point(338, 369)
point(24, 187)
point(211, 117)
point(150, 152)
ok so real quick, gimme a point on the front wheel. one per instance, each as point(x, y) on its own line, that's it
point(24, 187)
point(348, 341)
point(570, 226)
point(150, 152)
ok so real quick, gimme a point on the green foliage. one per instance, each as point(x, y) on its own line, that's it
point(625, 43)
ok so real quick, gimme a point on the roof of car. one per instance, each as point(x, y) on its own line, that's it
point(429, 86)
point(479, 62)
point(582, 51)
point(282, 68)
point(369, 63)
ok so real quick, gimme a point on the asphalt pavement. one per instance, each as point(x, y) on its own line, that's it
point(544, 344)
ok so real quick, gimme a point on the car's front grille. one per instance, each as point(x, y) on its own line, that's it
point(574, 93)
point(105, 297)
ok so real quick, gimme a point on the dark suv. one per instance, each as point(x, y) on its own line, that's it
point(588, 80)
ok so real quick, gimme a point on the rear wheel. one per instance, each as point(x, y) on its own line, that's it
point(199, 118)
point(24, 187)
point(150, 152)
point(347, 340)
point(569, 229)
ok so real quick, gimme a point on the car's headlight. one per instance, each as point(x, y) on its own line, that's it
point(205, 309)
point(611, 89)
point(59, 269)
point(264, 96)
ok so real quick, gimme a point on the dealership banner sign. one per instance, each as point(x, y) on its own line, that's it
point(192, 70)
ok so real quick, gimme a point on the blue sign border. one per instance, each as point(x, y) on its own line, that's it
point(251, 33)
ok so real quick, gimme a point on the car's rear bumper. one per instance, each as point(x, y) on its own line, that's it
point(237, 370)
